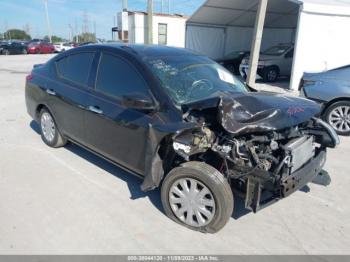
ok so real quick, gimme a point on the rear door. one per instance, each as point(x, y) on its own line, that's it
point(69, 92)
point(113, 130)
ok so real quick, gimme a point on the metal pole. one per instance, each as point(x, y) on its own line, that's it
point(76, 31)
point(70, 32)
point(125, 5)
point(150, 22)
point(48, 21)
point(257, 37)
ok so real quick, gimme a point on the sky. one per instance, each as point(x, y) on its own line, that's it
point(62, 13)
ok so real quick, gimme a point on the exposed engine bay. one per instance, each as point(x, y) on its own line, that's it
point(261, 166)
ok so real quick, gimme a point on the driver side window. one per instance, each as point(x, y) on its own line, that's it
point(117, 78)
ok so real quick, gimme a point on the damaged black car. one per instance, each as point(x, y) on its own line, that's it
point(181, 122)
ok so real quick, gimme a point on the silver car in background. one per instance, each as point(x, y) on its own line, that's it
point(332, 90)
point(274, 62)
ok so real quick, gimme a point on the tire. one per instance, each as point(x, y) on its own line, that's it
point(6, 52)
point(24, 52)
point(204, 178)
point(49, 131)
point(270, 74)
point(37, 51)
point(231, 68)
point(338, 116)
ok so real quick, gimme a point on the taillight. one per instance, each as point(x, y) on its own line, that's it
point(29, 77)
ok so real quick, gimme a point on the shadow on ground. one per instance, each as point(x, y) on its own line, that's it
point(133, 182)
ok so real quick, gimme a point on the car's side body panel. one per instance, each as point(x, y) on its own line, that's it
point(327, 86)
point(118, 129)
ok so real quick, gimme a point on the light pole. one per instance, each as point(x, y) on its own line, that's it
point(70, 33)
point(48, 21)
point(150, 22)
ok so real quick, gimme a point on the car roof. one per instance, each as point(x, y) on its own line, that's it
point(143, 50)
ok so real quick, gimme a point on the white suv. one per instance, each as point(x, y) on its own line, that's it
point(274, 62)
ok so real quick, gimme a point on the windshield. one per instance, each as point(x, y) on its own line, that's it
point(277, 50)
point(191, 78)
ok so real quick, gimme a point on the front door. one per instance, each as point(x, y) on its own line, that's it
point(113, 130)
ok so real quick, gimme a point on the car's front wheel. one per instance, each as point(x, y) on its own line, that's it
point(270, 74)
point(197, 196)
point(6, 52)
point(49, 131)
point(338, 116)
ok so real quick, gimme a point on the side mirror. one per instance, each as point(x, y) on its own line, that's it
point(139, 101)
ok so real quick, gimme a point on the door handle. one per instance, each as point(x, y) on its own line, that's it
point(95, 109)
point(50, 92)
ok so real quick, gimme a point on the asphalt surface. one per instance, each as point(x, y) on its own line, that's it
point(68, 201)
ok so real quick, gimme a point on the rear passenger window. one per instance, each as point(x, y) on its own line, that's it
point(76, 67)
point(117, 78)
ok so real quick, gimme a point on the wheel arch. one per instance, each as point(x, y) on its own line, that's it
point(274, 66)
point(332, 102)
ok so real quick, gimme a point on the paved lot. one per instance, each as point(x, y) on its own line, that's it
point(67, 201)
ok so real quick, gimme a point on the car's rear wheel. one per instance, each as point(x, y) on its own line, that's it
point(49, 131)
point(6, 52)
point(338, 116)
point(270, 74)
point(37, 51)
point(24, 52)
point(197, 196)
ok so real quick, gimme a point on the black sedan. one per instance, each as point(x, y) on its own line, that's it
point(233, 60)
point(332, 90)
point(180, 121)
point(12, 48)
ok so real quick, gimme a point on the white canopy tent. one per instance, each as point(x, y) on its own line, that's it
point(319, 28)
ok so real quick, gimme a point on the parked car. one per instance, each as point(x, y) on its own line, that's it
point(182, 121)
point(274, 62)
point(12, 48)
point(40, 48)
point(332, 90)
point(233, 60)
point(63, 46)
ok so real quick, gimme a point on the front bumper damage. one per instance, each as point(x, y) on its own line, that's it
point(256, 201)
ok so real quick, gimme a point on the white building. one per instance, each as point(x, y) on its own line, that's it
point(319, 29)
point(168, 30)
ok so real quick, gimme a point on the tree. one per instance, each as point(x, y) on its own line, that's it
point(54, 39)
point(16, 34)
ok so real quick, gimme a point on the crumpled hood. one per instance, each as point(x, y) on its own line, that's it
point(244, 113)
point(261, 112)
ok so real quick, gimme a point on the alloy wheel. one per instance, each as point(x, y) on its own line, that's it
point(192, 202)
point(48, 127)
point(339, 118)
